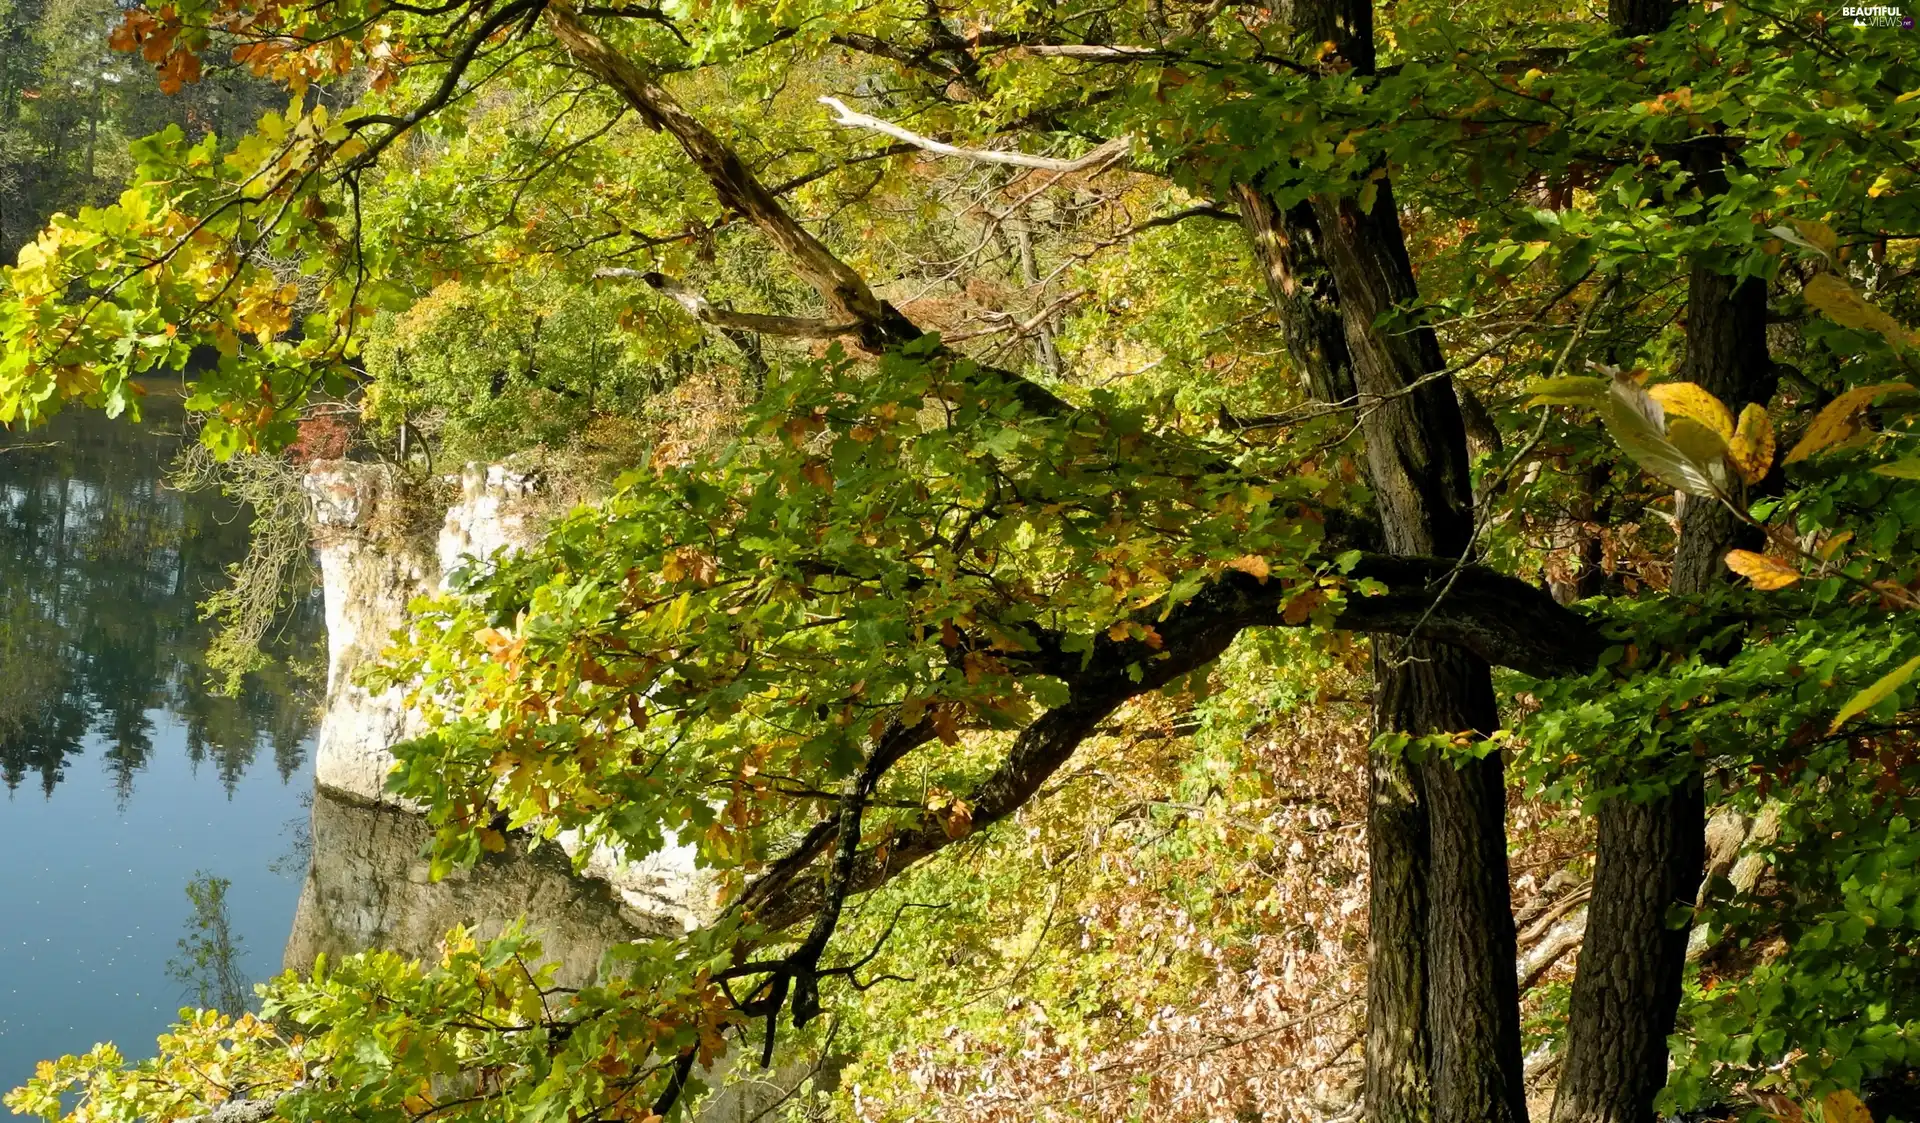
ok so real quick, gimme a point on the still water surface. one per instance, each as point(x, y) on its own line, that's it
point(124, 778)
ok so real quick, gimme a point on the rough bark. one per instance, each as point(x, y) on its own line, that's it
point(1443, 1038)
point(1398, 1048)
point(1627, 986)
point(1417, 464)
point(1472, 997)
point(1287, 246)
point(1650, 855)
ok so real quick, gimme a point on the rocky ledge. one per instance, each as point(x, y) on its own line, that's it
point(372, 564)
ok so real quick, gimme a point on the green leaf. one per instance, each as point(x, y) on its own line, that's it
point(1875, 694)
point(1568, 390)
point(1906, 469)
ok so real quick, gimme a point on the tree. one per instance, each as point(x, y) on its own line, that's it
point(69, 104)
point(920, 566)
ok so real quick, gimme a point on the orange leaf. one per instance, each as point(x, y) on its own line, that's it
point(1766, 573)
point(1302, 606)
point(1252, 564)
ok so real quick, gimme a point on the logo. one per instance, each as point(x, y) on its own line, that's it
point(1877, 15)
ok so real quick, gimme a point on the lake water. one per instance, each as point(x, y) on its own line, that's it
point(125, 782)
point(125, 778)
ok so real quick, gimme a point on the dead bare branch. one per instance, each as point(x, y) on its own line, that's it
point(1099, 159)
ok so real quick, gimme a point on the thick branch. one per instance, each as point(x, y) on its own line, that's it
point(844, 290)
point(1502, 619)
point(245, 1111)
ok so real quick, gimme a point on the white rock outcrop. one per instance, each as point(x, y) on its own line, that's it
point(371, 567)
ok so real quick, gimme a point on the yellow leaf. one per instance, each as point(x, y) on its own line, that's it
point(492, 841)
point(1751, 448)
point(1870, 697)
point(1701, 444)
point(1845, 1107)
point(1766, 573)
point(1819, 234)
point(1841, 304)
point(1685, 455)
point(1691, 400)
point(1838, 420)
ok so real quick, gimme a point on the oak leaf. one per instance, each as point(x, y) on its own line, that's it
point(1253, 565)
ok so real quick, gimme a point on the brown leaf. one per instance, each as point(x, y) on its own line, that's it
point(946, 724)
point(1779, 1107)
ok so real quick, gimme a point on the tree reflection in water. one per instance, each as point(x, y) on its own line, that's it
point(103, 567)
point(209, 964)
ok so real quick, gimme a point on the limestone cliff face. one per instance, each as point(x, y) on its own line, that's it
point(367, 583)
point(370, 569)
point(367, 887)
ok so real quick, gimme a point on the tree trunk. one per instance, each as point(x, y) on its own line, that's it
point(1443, 1033)
point(1289, 247)
point(1649, 855)
point(1473, 995)
point(1417, 463)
